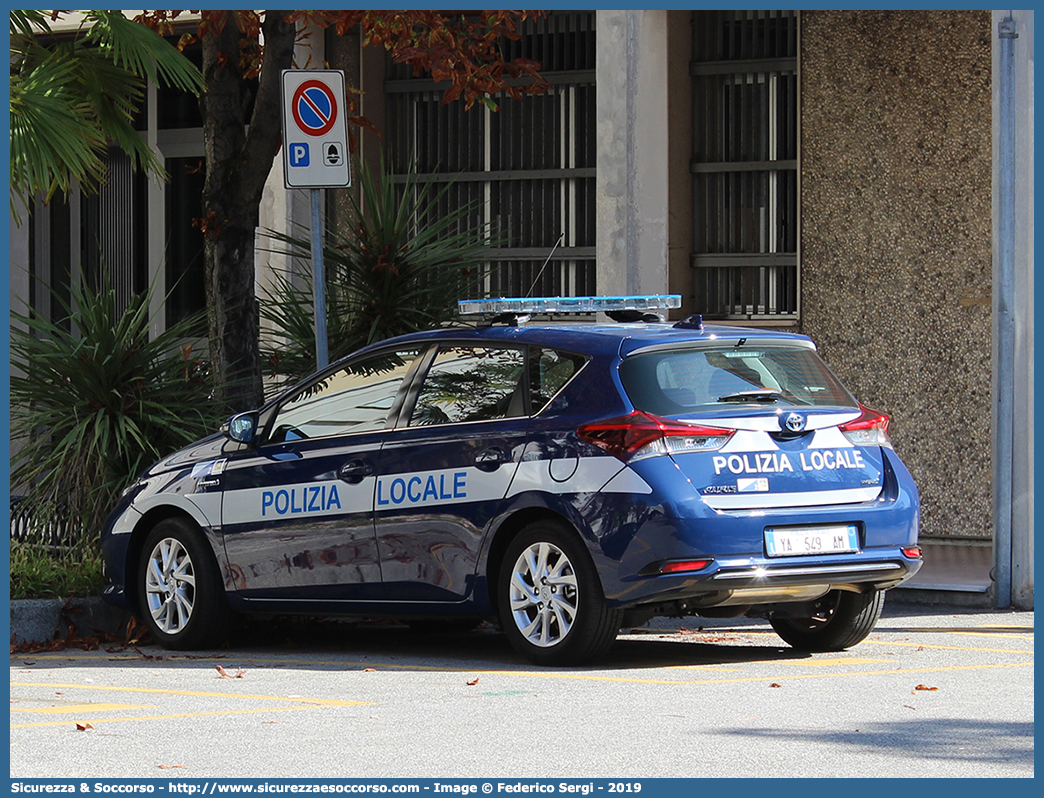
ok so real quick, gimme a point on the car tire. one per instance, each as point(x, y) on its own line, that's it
point(842, 619)
point(551, 603)
point(181, 594)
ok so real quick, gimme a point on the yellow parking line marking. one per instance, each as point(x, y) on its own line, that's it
point(992, 634)
point(299, 703)
point(794, 676)
point(1017, 632)
point(950, 648)
point(161, 717)
point(78, 709)
point(821, 663)
point(379, 666)
point(331, 702)
point(550, 675)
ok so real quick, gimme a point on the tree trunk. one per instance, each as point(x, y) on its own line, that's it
point(238, 161)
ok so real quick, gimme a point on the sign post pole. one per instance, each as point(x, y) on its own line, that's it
point(315, 156)
point(322, 356)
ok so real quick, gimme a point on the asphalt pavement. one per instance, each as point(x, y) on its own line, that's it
point(933, 692)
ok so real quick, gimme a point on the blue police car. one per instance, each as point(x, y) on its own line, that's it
point(564, 480)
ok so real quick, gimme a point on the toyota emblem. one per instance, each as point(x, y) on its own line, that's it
point(794, 422)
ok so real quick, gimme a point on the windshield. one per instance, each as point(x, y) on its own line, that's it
point(677, 381)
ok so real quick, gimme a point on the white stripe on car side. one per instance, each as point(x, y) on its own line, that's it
point(202, 507)
point(329, 497)
point(430, 489)
point(591, 475)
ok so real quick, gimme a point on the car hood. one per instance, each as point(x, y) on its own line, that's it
point(209, 448)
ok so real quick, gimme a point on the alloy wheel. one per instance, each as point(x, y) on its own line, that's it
point(543, 594)
point(170, 585)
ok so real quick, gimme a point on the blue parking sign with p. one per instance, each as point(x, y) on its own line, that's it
point(299, 154)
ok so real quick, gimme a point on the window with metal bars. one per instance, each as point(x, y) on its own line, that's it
point(528, 167)
point(96, 239)
point(744, 164)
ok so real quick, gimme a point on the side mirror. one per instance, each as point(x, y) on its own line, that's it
point(242, 427)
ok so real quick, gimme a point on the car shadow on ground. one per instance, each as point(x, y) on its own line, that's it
point(487, 648)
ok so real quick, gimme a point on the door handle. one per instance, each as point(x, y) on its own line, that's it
point(354, 471)
point(491, 458)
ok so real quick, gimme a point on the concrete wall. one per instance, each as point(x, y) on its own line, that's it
point(896, 215)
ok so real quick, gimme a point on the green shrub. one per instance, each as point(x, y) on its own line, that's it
point(401, 267)
point(39, 571)
point(93, 404)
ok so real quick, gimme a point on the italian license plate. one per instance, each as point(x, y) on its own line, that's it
point(807, 540)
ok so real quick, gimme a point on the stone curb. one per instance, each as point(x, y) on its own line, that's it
point(40, 620)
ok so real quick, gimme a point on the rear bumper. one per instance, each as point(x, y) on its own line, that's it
point(887, 573)
point(758, 580)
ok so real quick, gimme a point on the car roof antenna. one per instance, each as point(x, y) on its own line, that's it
point(540, 273)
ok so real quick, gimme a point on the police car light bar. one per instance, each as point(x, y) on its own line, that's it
point(567, 304)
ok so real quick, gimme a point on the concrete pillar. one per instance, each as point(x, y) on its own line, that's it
point(1013, 496)
point(632, 155)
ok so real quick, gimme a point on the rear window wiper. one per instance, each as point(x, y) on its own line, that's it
point(758, 395)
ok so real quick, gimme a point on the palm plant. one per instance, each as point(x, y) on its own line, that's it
point(70, 97)
point(94, 401)
point(400, 267)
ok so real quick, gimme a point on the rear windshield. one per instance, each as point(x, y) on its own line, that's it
point(677, 381)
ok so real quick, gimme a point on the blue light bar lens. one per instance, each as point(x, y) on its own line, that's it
point(568, 304)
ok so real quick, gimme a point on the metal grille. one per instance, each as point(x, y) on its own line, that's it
point(113, 230)
point(744, 167)
point(54, 529)
point(530, 166)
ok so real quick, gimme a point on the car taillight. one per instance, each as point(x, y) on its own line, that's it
point(870, 429)
point(681, 566)
point(639, 435)
point(913, 552)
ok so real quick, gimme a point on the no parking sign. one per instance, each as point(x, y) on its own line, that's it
point(315, 134)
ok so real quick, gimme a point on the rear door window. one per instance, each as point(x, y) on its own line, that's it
point(676, 381)
point(471, 383)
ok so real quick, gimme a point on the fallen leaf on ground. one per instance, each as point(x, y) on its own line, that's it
point(83, 726)
point(474, 681)
point(925, 687)
point(167, 767)
point(775, 684)
point(369, 670)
